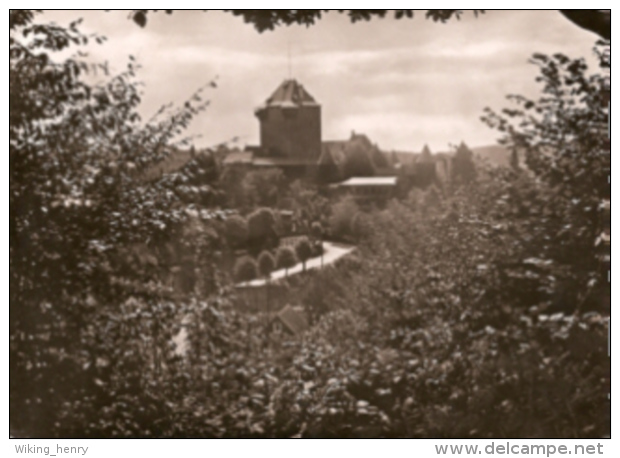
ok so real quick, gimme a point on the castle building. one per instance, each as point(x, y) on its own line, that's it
point(290, 139)
point(290, 124)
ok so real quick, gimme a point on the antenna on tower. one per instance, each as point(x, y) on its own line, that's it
point(289, 60)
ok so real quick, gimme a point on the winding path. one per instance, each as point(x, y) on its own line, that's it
point(333, 252)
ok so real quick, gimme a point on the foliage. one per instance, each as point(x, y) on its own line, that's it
point(343, 212)
point(563, 137)
point(286, 258)
point(463, 167)
point(318, 233)
point(316, 229)
point(361, 226)
point(325, 291)
point(90, 323)
point(460, 340)
point(270, 19)
point(597, 21)
point(236, 196)
point(563, 132)
point(197, 180)
point(263, 188)
point(266, 264)
point(261, 227)
point(358, 162)
point(303, 249)
point(236, 228)
point(308, 205)
point(469, 314)
point(246, 269)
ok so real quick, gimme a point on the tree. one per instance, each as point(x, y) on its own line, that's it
point(514, 159)
point(263, 187)
point(286, 258)
point(563, 133)
point(357, 162)
point(317, 232)
point(597, 21)
point(266, 264)
point(563, 137)
point(342, 215)
point(82, 311)
point(236, 231)
point(308, 205)
point(236, 196)
point(245, 269)
point(261, 227)
point(360, 225)
point(463, 167)
point(303, 249)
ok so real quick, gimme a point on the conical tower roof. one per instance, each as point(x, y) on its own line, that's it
point(290, 94)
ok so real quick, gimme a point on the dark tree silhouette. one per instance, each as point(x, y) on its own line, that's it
point(304, 251)
point(266, 264)
point(236, 231)
point(596, 21)
point(286, 258)
point(261, 227)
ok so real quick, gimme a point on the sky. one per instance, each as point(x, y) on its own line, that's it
point(404, 83)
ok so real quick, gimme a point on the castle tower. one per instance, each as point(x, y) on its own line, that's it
point(290, 124)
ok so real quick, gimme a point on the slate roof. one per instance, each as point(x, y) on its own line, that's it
point(332, 152)
point(293, 319)
point(289, 94)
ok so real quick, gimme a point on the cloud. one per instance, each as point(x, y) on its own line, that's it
point(404, 83)
point(410, 130)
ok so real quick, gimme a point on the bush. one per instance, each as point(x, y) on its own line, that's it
point(266, 264)
point(245, 269)
point(317, 249)
point(316, 230)
point(236, 231)
point(262, 228)
point(361, 225)
point(286, 258)
point(342, 215)
point(263, 187)
point(88, 324)
point(303, 249)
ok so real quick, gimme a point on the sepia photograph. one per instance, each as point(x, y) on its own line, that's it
point(313, 224)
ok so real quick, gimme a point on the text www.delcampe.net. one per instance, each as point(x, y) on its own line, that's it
point(519, 449)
